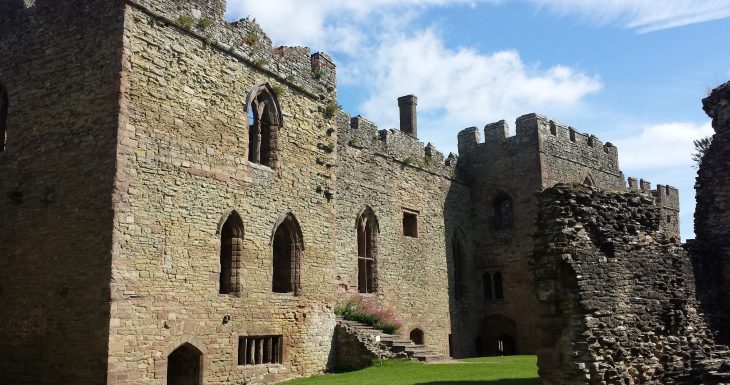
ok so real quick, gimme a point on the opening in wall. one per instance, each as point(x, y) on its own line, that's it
point(230, 253)
point(257, 350)
point(184, 366)
point(492, 285)
point(367, 248)
point(3, 117)
point(457, 253)
point(503, 213)
point(264, 122)
point(287, 253)
point(410, 223)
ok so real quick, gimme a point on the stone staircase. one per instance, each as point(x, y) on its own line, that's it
point(390, 346)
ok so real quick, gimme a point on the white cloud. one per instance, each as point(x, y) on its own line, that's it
point(323, 22)
point(662, 146)
point(642, 15)
point(661, 153)
point(458, 88)
point(337, 25)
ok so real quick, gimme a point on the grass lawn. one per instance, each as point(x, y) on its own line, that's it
point(513, 370)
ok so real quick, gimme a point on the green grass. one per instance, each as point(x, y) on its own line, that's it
point(513, 370)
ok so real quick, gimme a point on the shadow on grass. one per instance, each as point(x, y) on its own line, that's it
point(519, 381)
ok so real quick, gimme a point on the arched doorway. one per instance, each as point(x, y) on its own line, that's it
point(417, 336)
point(184, 366)
point(497, 336)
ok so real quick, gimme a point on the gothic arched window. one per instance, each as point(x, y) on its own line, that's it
point(230, 255)
point(487, 288)
point(498, 289)
point(457, 255)
point(367, 251)
point(288, 247)
point(503, 212)
point(3, 117)
point(265, 120)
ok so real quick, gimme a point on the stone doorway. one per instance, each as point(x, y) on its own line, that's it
point(417, 336)
point(497, 336)
point(184, 366)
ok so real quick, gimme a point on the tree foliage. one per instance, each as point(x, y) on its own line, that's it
point(701, 147)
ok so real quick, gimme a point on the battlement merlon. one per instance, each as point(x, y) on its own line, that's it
point(362, 134)
point(528, 125)
point(717, 107)
point(666, 197)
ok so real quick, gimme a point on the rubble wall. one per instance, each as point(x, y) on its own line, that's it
point(616, 293)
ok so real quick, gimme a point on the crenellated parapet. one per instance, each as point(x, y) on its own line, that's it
point(665, 197)
point(246, 41)
point(359, 135)
point(202, 20)
point(565, 155)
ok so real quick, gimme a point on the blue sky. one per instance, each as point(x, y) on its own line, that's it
point(632, 72)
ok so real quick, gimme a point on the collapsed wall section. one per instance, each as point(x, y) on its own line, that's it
point(711, 249)
point(617, 301)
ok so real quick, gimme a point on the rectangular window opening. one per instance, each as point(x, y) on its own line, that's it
point(259, 350)
point(410, 224)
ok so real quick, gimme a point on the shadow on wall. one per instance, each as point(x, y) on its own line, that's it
point(519, 381)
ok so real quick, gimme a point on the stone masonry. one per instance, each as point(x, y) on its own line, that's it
point(184, 203)
point(711, 249)
point(616, 293)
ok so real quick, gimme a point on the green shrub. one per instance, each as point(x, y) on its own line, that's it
point(331, 110)
point(186, 21)
point(278, 90)
point(318, 72)
point(205, 23)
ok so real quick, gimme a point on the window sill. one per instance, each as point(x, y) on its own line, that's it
point(260, 166)
point(259, 366)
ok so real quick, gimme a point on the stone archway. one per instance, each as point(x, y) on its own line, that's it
point(184, 366)
point(417, 336)
point(497, 336)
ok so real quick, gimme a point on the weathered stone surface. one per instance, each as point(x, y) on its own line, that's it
point(57, 174)
point(129, 149)
point(711, 249)
point(616, 292)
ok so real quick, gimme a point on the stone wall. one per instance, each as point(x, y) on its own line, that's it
point(569, 156)
point(501, 166)
point(182, 168)
point(711, 250)
point(59, 62)
point(128, 150)
point(617, 300)
point(387, 171)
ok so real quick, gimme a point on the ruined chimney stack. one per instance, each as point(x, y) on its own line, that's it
point(407, 106)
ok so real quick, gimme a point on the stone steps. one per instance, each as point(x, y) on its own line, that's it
point(389, 345)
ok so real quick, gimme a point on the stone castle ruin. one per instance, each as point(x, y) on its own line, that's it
point(184, 203)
